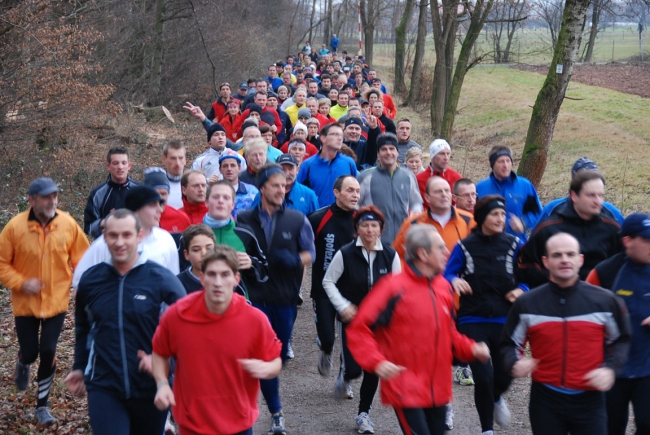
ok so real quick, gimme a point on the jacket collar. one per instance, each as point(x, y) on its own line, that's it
point(115, 185)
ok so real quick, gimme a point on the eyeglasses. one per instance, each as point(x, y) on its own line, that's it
point(467, 196)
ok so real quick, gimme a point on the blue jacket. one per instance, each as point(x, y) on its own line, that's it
point(115, 316)
point(319, 175)
point(631, 282)
point(300, 198)
point(334, 43)
point(521, 199)
point(551, 206)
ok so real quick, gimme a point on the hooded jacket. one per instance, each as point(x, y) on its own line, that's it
point(211, 388)
point(196, 212)
point(407, 319)
point(27, 250)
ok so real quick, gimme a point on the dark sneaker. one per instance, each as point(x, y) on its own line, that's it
point(277, 424)
point(21, 375)
point(43, 416)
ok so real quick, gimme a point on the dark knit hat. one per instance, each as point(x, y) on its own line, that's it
point(215, 128)
point(255, 108)
point(485, 205)
point(583, 163)
point(386, 139)
point(355, 121)
point(494, 157)
point(139, 196)
point(304, 113)
point(156, 178)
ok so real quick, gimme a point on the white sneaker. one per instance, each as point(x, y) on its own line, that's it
point(170, 429)
point(449, 417)
point(290, 354)
point(364, 424)
point(501, 413)
point(488, 432)
point(342, 388)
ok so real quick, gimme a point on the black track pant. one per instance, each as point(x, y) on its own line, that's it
point(490, 380)
point(32, 346)
point(110, 415)
point(422, 421)
point(555, 413)
point(324, 316)
point(635, 390)
point(352, 370)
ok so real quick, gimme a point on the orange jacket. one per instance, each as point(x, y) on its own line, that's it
point(27, 250)
point(459, 226)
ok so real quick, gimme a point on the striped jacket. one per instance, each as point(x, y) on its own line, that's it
point(571, 331)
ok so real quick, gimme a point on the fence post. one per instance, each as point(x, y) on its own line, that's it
point(612, 50)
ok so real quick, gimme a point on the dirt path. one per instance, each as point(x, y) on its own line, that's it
point(310, 408)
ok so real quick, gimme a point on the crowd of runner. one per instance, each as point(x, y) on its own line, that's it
point(187, 297)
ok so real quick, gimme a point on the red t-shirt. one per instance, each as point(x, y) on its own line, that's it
point(174, 221)
point(213, 393)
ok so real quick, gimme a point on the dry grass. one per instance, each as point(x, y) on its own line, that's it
point(607, 126)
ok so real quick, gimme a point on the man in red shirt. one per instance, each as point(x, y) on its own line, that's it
point(217, 384)
point(194, 185)
point(439, 153)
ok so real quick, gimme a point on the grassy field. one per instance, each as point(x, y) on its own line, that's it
point(608, 126)
point(534, 46)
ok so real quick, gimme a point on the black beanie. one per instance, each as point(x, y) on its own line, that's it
point(484, 208)
point(386, 139)
point(139, 196)
point(494, 157)
point(214, 128)
point(254, 108)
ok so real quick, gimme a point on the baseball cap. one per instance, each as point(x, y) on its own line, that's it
point(42, 186)
point(583, 163)
point(287, 159)
point(243, 85)
point(636, 224)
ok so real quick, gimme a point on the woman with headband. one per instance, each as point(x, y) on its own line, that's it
point(481, 271)
point(355, 268)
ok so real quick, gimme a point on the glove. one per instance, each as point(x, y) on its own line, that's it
point(286, 258)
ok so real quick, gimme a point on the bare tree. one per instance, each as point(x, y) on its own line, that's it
point(551, 95)
point(550, 12)
point(400, 47)
point(420, 48)
point(507, 16)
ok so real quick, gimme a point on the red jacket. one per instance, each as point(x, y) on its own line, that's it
point(229, 126)
point(220, 108)
point(213, 393)
point(389, 106)
point(174, 221)
point(196, 212)
point(323, 120)
point(407, 320)
point(450, 175)
point(310, 149)
point(276, 118)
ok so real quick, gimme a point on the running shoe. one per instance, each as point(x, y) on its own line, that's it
point(342, 388)
point(21, 375)
point(170, 429)
point(325, 364)
point(488, 432)
point(501, 412)
point(290, 354)
point(364, 424)
point(43, 416)
point(277, 424)
point(449, 417)
point(463, 376)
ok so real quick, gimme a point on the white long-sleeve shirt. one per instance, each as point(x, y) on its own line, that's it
point(336, 268)
point(158, 246)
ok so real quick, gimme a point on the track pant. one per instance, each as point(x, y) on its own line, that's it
point(325, 318)
point(32, 346)
point(110, 415)
point(282, 318)
point(352, 370)
point(555, 413)
point(422, 421)
point(618, 400)
point(490, 380)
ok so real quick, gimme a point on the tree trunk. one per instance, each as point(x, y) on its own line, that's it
point(550, 97)
point(593, 33)
point(367, 8)
point(420, 44)
point(443, 34)
point(157, 53)
point(400, 48)
point(479, 15)
point(311, 22)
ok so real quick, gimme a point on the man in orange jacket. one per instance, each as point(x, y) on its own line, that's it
point(37, 248)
